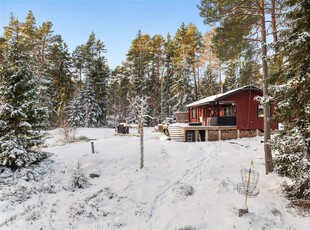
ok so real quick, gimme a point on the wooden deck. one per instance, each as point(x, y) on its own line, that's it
point(209, 127)
point(188, 133)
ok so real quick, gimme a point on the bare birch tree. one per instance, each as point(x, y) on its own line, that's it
point(138, 114)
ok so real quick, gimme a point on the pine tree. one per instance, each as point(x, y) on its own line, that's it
point(20, 117)
point(44, 64)
point(209, 83)
point(210, 65)
point(61, 86)
point(79, 63)
point(231, 75)
point(166, 84)
point(292, 98)
point(189, 44)
point(29, 37)
point(119, 92)
point(249, 67)
point(138, 57)
point(241, 22)
point(156, 75)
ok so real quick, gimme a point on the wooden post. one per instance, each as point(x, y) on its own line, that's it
point(220, 134)
point(238, 133)
point(197, 136)
point(218, 111)
point(92, 147)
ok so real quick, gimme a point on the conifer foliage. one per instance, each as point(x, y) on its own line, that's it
point(20, 116)
point(293, 101)
point(84, 110)
point(75, 114)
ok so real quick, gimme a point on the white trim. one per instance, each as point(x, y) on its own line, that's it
point(206, 100)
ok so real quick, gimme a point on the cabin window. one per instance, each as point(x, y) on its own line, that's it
point(194, 113)
point(260, 111)
point(211, 111)
point(229, 110)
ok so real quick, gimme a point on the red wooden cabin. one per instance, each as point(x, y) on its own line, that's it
point(233, 108)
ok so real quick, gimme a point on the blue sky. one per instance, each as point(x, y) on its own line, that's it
point(115, 22)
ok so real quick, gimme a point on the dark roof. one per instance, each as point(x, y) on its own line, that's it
point(221, 96)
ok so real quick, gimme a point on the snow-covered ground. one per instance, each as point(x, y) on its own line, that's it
point(182, 186)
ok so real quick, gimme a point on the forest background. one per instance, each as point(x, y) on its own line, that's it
point(44, 85)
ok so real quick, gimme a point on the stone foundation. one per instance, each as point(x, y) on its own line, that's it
point(229, 134)
point(225, 134)
point(247, 133)
point(213, 135)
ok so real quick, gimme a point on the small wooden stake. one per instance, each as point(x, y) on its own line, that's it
point(92, 147)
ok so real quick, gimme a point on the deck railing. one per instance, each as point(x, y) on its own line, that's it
point(226, 121)
point(221, 121)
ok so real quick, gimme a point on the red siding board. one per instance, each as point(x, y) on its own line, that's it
point(247, 116)
point(247, 110)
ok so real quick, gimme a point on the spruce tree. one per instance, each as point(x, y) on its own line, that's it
point(75, 112)
point(91, 108)
point(99, 75)
point(20, 116)
point(292, 98)
point(91, 65)
point(36, 42)
point(84, 110)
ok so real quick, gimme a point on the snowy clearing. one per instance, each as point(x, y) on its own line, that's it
point(182, 186)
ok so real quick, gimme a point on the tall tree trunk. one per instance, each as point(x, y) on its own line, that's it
point(267, 150)
point(273, 21)
point(195, 82)
point(198, 81)
point(277, 58)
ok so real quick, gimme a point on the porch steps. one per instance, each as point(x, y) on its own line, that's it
point(175, 133)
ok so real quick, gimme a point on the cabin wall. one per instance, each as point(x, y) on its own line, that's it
point(247, 111)
point(247, 117)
